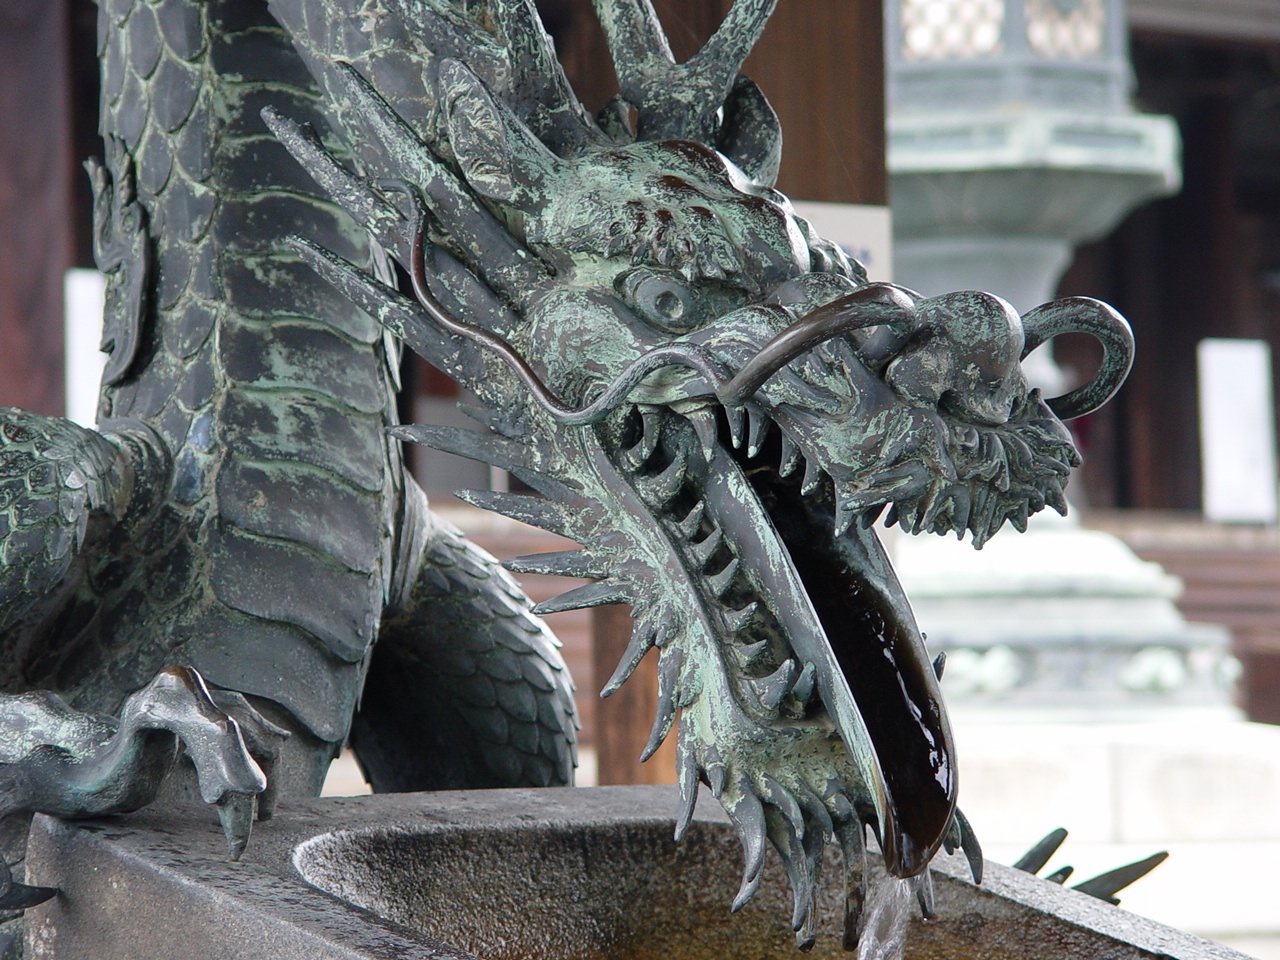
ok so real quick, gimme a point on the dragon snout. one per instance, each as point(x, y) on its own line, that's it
point(966, 353)
point(967, 348)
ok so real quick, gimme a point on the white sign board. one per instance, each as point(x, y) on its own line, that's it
point(865, 232)
point(1237, 431)
point(83, 292)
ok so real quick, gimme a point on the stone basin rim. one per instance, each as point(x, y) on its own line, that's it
point(179, 853)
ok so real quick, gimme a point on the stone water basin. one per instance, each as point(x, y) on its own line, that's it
point(560, 874)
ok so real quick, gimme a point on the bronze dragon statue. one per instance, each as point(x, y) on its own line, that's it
point(710, 398)
point(241, 512)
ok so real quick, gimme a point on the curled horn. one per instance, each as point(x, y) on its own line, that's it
point(1104, 324)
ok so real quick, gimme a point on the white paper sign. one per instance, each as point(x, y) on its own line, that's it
point(1237, 431)
point(83, 292)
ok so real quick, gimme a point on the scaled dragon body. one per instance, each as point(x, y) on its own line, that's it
point(241, 509)
point(708, 396)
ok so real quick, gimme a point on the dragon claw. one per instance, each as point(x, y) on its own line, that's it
point(16, 896)
point(225, 738)
point(236, 812)
point(263, 739)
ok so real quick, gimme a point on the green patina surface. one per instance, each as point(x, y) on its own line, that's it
point(709, 397)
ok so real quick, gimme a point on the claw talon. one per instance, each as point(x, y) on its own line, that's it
point(20, 896)
point(236, 811)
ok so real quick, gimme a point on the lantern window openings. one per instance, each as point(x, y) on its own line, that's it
point(934, 30)
point(951, 29)
point(1067, 29)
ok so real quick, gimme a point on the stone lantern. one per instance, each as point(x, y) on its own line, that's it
point(1012, 140)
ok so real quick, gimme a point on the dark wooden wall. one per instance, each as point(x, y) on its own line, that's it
point(1205, 263)
point(37, 211)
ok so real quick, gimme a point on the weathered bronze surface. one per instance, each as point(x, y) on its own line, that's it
point(709, 397)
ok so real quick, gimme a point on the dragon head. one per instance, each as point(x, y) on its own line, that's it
point(710, 398)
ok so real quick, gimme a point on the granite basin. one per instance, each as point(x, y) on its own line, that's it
point(559, 874)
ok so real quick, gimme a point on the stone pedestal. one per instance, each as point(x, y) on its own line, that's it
point(1062, 620)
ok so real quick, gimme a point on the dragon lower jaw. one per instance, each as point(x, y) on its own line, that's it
point(836, 619)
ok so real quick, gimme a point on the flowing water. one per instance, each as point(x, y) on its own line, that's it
point(889, 908)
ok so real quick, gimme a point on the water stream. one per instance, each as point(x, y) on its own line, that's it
point(889, 907)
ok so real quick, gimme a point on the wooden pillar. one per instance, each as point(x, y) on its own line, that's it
point(822, 66)
point(37, 222)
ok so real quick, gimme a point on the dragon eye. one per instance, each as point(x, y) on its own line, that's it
point(662, 300)
point(669, 304)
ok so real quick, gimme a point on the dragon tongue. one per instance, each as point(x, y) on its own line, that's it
point(841, 609)
point(882, 663)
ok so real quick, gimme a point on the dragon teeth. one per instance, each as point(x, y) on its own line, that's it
point(703, 422)
point(748, 654)
point(790, 458)
point(803, 688)
point(771, 689)
point(757, 429)
point(651, 425)
point(668, 483)
point(720, 582)
point(703, 549)
point(737, 417)
point(812, 478)
point(737, 620)
point(693, 521)
point(849, 502)
point(845, 514)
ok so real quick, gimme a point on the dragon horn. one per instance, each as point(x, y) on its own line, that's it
point(564, 125)
point(674, 100)
point(728, 47)
point(1104, 324)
